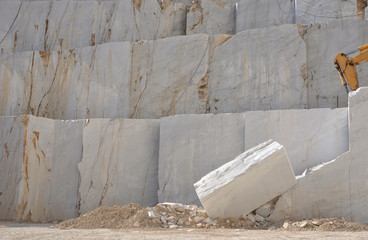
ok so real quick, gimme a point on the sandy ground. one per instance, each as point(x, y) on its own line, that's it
point(9, 230)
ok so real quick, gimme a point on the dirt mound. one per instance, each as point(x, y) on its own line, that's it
point(325, 224)
point(173, 215)
point(166, 215)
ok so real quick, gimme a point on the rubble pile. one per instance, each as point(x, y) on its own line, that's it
point(178, 216)
point(163, 215)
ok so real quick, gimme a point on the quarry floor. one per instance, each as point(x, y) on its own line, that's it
point(10, 230)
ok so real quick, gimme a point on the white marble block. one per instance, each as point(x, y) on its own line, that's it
point(323, 11)
point(264, 13)
point(260, 69)
point(211, 17)
point(192, 146)
point(46, 186)
point(309, 136)
point(71, 84)
point(120, 162)
point(58, 25)
point(169, 76)
point(252, 179)
point(324, 42)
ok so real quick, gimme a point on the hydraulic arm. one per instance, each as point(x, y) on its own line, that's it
point(346, 66)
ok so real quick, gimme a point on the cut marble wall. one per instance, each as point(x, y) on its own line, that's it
point(339, 187)
point(11, 154)
point(42, 190)
point(310, 136)
point(264, 13)
point(70, 84)
point(57, 25)
point(120, 163)
point(211, 17)
point(322, 191)
point(324, 11)
point(253, 70)
point(244, 184)
point(192, 146)
point(169, 76)
point(324, 42)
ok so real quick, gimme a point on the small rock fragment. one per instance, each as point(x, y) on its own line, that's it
point(173, 226)
point(251, 217)
point(317, 222)
point(303, 224)
point(163, 219)
point(151, 214)
point(285, 225)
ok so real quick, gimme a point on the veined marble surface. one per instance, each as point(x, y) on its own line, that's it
point(310, 137)
point(264, 13)
point(260, 69)
point(211, 17)
point(41, 162)
point(169, 76)
point(192, 146)
point(324, 42)
point(120, 163)
point(70, 84)
point(57, 25)
point(324, 11)
point(242, 185)
point(338, 188)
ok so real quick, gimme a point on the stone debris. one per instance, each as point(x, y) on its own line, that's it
point(136, 216)
point(252, 179)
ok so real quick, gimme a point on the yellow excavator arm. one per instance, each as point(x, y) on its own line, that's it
point(346, 66)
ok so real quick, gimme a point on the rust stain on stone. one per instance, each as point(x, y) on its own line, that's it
point(202, 87)
point(304, 72)
point(6, 149)
point(36, 26)
point(302, 30)
point(25, 120)
point(45, 37)
point(221, 4)
point(137, 4)
point(25, 159)
point(15, 41)
point(109, 33)
point(61, 43)
point(222, 39)
point(93, 39)
point(45, 56)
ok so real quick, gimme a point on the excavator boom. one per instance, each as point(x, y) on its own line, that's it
point(347, 66)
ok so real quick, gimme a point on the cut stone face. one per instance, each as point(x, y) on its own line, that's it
point(264, 13)
point(120, 163)
point(323, 11)
point(322, 191)
point(58, 25)
point(310, 136)
point(249, 181)
point(192, 146)
point(324, 42)
point(40, 157)
point(253, 70)
point(339, 187)
point(73, 84)
point(169, 77)
point(211, 17)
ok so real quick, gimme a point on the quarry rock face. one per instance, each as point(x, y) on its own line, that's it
point(324, 11)
point(70, 84)
point(120, 163)
point(192, 146)
point(246, 183)
point(39, 161)
point(324, 85)
point(211, 17)
point(342, 195)
point(58, 25)
point(309, 136)
point(264, 13)
point(169, 76)
point(262, 54)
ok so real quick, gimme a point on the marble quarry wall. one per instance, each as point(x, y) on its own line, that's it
point(339, 187)
point(117, 101)
point(58, 25)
